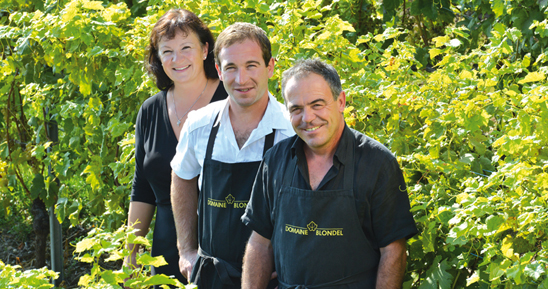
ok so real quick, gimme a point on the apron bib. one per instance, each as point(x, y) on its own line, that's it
point(222, 236)
point(318, 238)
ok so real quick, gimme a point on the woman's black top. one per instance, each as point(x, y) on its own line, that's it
point(155, 144)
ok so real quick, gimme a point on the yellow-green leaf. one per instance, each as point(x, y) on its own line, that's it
point(114, 257)
point(154, 261)
point(94, 5)
point(473, 279)
point(440, 40)
point(84, 280)
point(532, 77)
point(86, 258)
point(434, 52)
point(506, 248)
point(83, 245)
point(70, 11)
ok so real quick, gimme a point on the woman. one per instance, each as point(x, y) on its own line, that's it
point(180, 57)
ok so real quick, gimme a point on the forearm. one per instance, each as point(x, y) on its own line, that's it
point(258, 262)
point(184, 200)
point(392, 265)
point(139, 216)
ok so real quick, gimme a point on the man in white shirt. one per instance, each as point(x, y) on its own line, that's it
point(220, 147)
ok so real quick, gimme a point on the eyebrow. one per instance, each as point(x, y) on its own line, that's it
point(168, 46)
point(247, 62)
point(318, 100)
point(310, 103)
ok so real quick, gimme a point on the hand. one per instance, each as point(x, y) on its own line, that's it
point(186, 263)
point(274, 275)
point(130, 262)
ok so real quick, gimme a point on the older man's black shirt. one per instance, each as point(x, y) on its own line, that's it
point(380, 192)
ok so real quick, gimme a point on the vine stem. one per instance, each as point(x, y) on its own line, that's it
point(8, 116)
point(456, 279)
point(8, 113)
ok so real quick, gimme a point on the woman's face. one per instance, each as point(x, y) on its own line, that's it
point(183, 57)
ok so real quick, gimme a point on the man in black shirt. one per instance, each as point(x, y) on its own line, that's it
point(329, 206)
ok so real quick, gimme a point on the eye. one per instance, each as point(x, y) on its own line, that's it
point(295, 110)
point(251, 66)
point(166, 52)
point(185, 47)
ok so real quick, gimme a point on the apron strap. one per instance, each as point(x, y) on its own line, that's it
point(212, 136)
point(349, 170)
point(225, 270)
point(290, 172)
point(269, 141)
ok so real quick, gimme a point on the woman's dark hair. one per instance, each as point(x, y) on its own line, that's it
point(178, 20)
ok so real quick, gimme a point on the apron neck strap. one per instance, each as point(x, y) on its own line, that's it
point(349, 168)
point(212, 136)
point(290, 172)
point(269, 141)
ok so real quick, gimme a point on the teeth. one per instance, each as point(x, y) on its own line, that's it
point(312, 129)
point(244, 90)
point(179, 69)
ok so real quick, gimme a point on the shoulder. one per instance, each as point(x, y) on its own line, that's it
point(204, 116)
point(369, 147)
point(280, 151)
point(151, 106)
point(154, 101)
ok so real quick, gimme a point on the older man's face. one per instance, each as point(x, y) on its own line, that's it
point(314, 113)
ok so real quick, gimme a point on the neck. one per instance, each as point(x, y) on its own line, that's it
point(189, 91)
point(248, 114)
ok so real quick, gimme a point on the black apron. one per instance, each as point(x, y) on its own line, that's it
point(222, 236)
point(318, 239)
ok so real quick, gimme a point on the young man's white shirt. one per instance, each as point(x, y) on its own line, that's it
point(189, 157)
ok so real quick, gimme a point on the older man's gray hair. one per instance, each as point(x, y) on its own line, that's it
point(304, 67)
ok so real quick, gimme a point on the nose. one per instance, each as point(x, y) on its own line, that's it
point(241, 76)
point(308, 114)
point(177, 55)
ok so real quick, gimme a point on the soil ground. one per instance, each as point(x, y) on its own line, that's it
point(17, 248)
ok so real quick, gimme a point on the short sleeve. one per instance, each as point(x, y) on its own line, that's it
point(141, 190)
point(257, 214)
point(390, 209)
point(185, 163)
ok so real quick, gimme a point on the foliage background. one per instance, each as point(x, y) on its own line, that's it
point(456, 89)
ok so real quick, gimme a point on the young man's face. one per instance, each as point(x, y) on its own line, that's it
point(244, 73)
point(314, 113)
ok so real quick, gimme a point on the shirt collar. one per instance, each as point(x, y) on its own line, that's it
point(341, 154)
point(272, 115)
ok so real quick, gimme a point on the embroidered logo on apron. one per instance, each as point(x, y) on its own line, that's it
point(230, 200)
point(313, 230)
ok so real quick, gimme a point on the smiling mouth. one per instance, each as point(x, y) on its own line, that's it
point(243, 89)
point(312, 128)
point(180, 69)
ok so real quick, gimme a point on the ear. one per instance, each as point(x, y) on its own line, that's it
point(219, 71)
point(270, 67)
point(341, 101)
point(205, 50)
